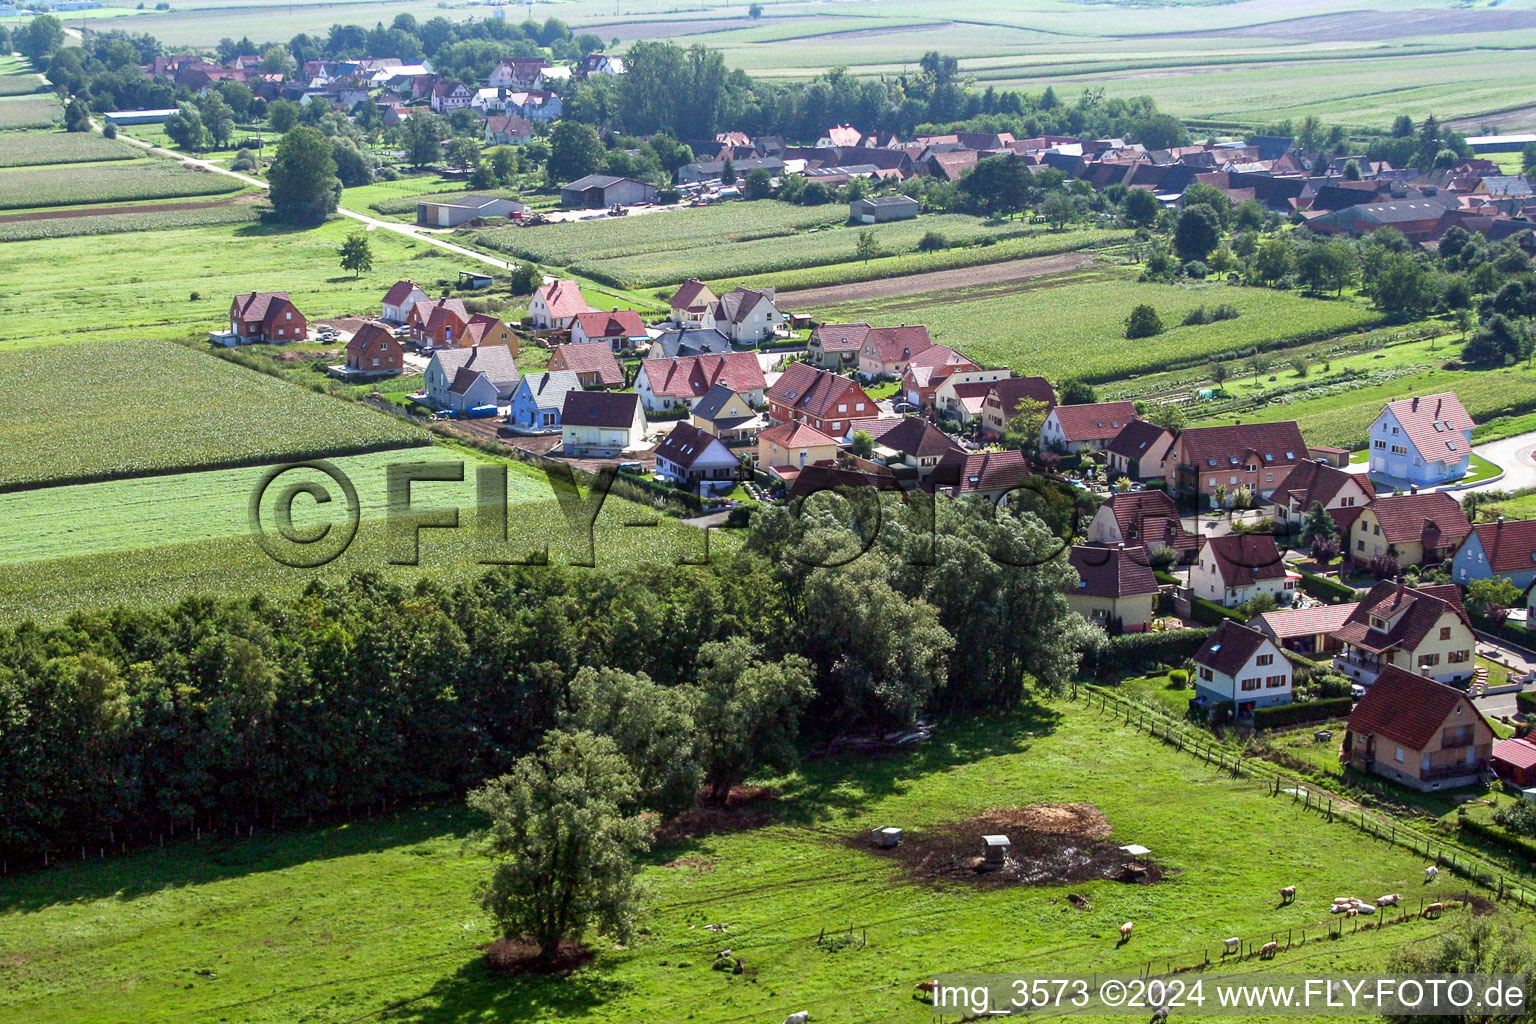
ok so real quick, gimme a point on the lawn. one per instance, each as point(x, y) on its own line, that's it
point(378, 918)
point(28, 148)
point(1073, 325)
point(175, 283)
point(129, 408)
point(83, 184)
point(158, 539)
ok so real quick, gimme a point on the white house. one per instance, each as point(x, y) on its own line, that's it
point(601, 423)
point(689, 456)
point(1237, 568)
point(748, 316)
point(401, 299)
point(1075, 428)
point(1243, 666)
point(461, 378)
point(1425, 441)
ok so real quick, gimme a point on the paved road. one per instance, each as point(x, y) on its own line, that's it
point(373, 223)
point(1516, 456)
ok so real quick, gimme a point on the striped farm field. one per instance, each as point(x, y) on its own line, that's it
point(116, 409)
point(121, 218)
point(30, 188)
point(40, 111)
point(31, 148)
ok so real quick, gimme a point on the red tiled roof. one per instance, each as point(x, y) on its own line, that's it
point(815, 477)
point(262, 306)
point(935, 356)
point(892, 344)
point(1434, 424)
point(684, 444)
point(433, 312)
point(1509, 546)
point(1244, 559)
point(589, 359)
point(399, 292)
point(1285, 623)
point(1148, 517)
point(1410, 709)
point(621, 323)
point(1276, 444)
point(795, 434)
point(480, 325)
point(563, 299)
point(1112, 572)
point(1098, 421)
point(841, 337)
point(962, 473)
point(815, 392)
point(1312, 482)
point(1013, 390)
point(692, 376)
point(1230, 648)
point(693, 296)
point(1515, 752)
point(1433, 517)
point(367, 336)
point(1411, 614)
point(1135, 438)
point(875, 426)
point(918, 438)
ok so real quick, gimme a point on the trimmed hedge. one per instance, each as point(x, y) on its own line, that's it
point(1135, 652)
point(1282, 715)
point(1526, 702)
point(1325, 589)
point(1494, 836)
point(1210, 613)
point(1517, 635)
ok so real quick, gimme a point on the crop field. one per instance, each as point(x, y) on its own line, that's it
point(16, 81)
point(379, 918)
point(827, 246)
point(24, 149)
point(129, 408)
point(560, 245)
point(41, 111)
point(1073, 325)
point(74, 221)
point(178, 282)
point(30, 188)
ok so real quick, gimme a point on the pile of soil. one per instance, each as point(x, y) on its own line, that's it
point(1052, 844)
point(745, 808)
point(519, 956)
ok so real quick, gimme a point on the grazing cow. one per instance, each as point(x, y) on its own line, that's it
point(926, 986)
point(1433, 910)
point(1288, 894)
point(1431, 873)
point(1268, 950)
point(1232, 945)
point(1389, 901)
point(722, 954)
point(1125, 930)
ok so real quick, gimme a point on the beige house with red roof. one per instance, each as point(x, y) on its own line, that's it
point(989, 475)
point(621, 330)
point(1310, 483)
point(1418, 732)
point(683, 380)
point(1237, 568)
point(1244, 666)
point(1253, 456)
point(962, 395)
point(1422, 630)
point(1148, 519)
point(267, 317)
point(825, 400)
point(1076, 428)
point(927, 370)
point(692, 304)
point(789, 447)
point(747, 316)
point(374, 350)
point(1424, 441)
point(836, 346)
point(556, 305)
point(916, 444)
point(593, 365)
point(399, 300)
point(886, 351)
point(1004, 398)
point(1115, 587)
point(1413, 528)
point(485, 329)
point(1140, 451)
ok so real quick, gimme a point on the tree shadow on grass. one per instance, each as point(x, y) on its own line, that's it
point(475, 993)
point(187, 863)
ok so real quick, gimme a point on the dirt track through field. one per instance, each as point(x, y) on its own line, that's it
point(938, 280)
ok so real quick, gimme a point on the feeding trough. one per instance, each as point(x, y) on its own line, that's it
point(887, 838)
point(995, 851)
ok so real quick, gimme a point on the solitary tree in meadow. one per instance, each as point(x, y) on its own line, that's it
point(356, 254)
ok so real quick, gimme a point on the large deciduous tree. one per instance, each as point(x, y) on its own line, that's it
point(303, 181)
point(575, 151)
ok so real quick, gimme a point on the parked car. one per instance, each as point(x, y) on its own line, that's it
point(631, 467)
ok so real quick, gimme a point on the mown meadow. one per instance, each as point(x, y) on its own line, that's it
point(292, 927)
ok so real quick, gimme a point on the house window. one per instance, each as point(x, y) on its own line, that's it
point(1234, 480)
point(1359, 545)
point(1265, 659)
point(842, 408)
point(1252, 684)
point(1445, 632)
point(1428, 660)
point(1379, 444)
point(1398, 449)
point(1206, 674)
point(1458, 657)
point(1398, 755)
point(1274, 682)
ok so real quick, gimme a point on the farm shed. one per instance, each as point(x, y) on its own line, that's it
point(880, 209)
point(452, 213)
point(596, 191)
point(121, 117)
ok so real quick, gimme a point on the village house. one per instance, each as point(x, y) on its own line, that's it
point(1414, 528)
point(1423, 441)
point(374, 350)
point(463, 378)
point(886, 351)
point(622, 330)
point(1148, 519)
point(927, 370)
point(1208, 461)
point(1422, 630)
point(593, 365)
point(400, 299)
point(727, 414)
point(266, 317)
point(438, 323)
point(1243, 666)
point(1234, 569)
point(693, 305)
point(518, 73)
point(748, 316)
point(673, 343)
point(1076, 428)
point(1343, 495)
point(823, 400)
point(1306, 630)
point(684, 381)
point(507, 130)
point(835, 346)
point(556, 305)
point(1006, 396)
point(1140, 451)
point(601, 423)
point(962, 395)
point(693, 458)
point(1418, 732)
point(1502, 549)
point(485, 329)
point(916, 444)
point(450, 96)
point(539, 397)
point(992, 476)
point(783, 450)
point(1115, 587)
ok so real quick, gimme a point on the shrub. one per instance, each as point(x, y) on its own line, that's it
point(1143, 323)
point(1282, 715)
point(1212, 614)
point(1135, 651)
point(1196, 270)
point(109, 130)
point(1526, 702)
point(1519, 818)
point(932, 241)
point(1196, 317)
point(1383, 567)
point(1225, 311)
point(1178, 679)
point(1325, 589)
point(1520, 848)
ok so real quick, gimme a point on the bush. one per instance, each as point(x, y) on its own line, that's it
point(1135, 651)
point(1196, 317)
point(386, 173)
point(1282, 715)
point(109, 131)
point(1143, 323)
point(1225, 311)
point(1211, 614)
point(1520, 848)
point(1325, 589)
point(1526, 702)
point(1518, 818)
point(1196, 270)
point(1178, 679)
point(932, 241)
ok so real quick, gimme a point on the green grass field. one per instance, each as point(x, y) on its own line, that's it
point(39, 111)
point(1073, 325)
point(76, 221)
point(80, 184)
point(378, 919)
point(127, 408)
point(30, 148)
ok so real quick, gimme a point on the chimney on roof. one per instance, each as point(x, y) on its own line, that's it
point(1413, 488)
point(1415, 405)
